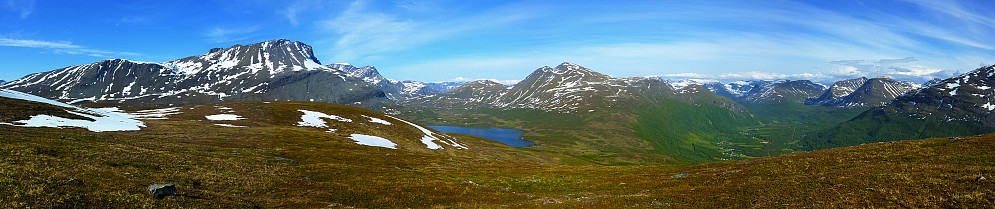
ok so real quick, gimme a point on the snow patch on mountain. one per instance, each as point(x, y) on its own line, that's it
point(224, 117)
point(429, 138)
point(375, 141)
point(314, 119)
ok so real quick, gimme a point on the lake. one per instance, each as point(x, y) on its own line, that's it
point(508, 136)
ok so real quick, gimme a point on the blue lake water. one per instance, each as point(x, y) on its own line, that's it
point(511, 137)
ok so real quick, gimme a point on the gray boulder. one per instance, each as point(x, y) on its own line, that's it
point(162, 190)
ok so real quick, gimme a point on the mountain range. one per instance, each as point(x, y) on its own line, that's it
point(863, 92)
point(392, 88)
point(848, 93)
point(615, 120)
point(272, 70)
point(759, 91)
point(956, 106)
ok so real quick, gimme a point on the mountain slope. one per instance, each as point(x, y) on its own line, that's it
point(474, 94)
point(862, 92)
point(394, 89)
point(608, 120)
point(875, 92)
point(962, 105)
point(272, 70)
point(446, 86)
point(837, 90)
point(784, 91)
point(303, 167)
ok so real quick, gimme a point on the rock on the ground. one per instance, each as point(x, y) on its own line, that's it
point(162, 190)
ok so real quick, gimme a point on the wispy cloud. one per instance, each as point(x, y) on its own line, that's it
point(62, 47)
point(23, 8)
point(37, 44)
point(296, 8)
point(363, 32)
point(225, 35)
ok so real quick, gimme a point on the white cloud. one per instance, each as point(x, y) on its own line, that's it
point(62, 47)
point(225, 35)
point(23, 8)
point(364, 32)
point(37, 44)
point(296, 8)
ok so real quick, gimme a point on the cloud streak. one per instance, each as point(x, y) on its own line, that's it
point(23, 8)
point(363, 32)
point(62, 48)
point(226, 35)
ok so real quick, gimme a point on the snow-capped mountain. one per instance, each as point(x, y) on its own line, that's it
point(566, 88)
point(446, 86)
point(2, 81)
point(763, 91)
point(782, 91)
point(967, 97)
point(272, 70)
point(932, 82)
point(839, 89)
point(868, 93)
point(394, 89)
point(481, 93)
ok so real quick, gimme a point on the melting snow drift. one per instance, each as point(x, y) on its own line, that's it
point(224, 117)
point(372, 141)
point(103, 119)
point(313, 119)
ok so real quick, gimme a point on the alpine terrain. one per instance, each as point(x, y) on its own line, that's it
point(962, 105)
point(394, 89)
point(863, 92)
point(572, 109)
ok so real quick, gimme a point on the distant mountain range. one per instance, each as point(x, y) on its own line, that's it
point(272, 70)
point(958, 106)
point(759, 92)
point(446, 86)
point(863, 92)
point(849, 93)
point(392, 88)
point(592, 112)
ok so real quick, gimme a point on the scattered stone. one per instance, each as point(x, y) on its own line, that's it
point(728, 172)
point(551, 200)
point(679, 176)
point(981, 178)
point(470, 183)
point(162, 190)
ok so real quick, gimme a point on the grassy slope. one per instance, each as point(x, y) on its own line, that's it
point(285, 166)
point(877, 126)
point(784, 126)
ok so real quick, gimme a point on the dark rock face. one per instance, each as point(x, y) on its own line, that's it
point(272, 70)
point(160, 191)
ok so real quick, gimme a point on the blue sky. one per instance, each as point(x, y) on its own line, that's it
point(439, 40)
